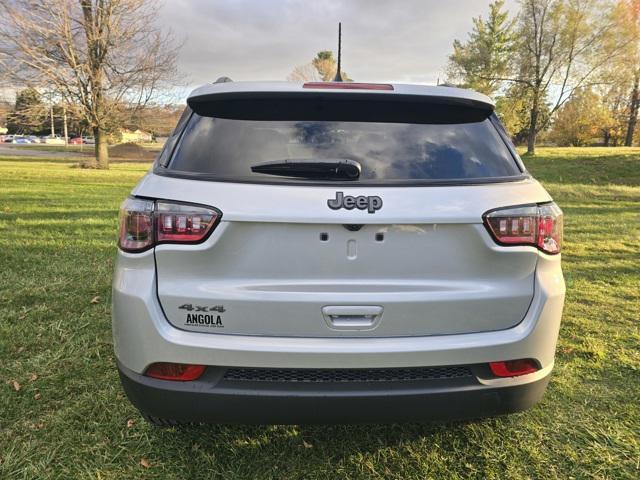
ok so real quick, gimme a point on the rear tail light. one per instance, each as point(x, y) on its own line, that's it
point(513, 368)
point(534, 225)
point(178, 372)
point(136, 225)
point(145, 223)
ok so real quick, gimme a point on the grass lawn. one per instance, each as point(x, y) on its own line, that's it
point(64, 415)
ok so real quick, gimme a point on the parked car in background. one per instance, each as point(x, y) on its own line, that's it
point(89, 140)
point(7, 138)
point(21, 140)
point(76, 141)
point(54, 140)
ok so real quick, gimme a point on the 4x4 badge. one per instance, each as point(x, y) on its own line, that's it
point(370, 203)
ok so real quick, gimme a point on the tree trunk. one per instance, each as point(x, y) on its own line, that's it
point(531, 141)
point(101, 147)
point(606, 137)
point(533, 127)
point(633, 111)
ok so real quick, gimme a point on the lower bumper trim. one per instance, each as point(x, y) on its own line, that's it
point(217, 401)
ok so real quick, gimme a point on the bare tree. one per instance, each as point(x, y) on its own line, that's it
point(305, 73)
point(322, 68)
point(98, 54)
point(562, 49)
point(158, 120)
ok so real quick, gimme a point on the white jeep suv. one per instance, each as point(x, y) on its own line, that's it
point(336, 252)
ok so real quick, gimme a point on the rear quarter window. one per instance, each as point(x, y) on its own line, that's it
point(226, 149)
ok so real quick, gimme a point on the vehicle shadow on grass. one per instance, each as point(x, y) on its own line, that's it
point(276, 447)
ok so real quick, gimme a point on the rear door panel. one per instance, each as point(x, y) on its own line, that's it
point(280, 256)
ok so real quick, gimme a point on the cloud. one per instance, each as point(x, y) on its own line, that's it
point(394, 41)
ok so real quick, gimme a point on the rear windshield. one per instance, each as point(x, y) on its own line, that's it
point(387, 152)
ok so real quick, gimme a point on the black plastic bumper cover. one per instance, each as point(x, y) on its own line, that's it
point(220, 401)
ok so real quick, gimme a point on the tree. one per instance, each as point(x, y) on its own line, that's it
point(322, 68)
point(5, 110)
point(634, 107)
point(304, 73)
point(561, 48)
point(514, 107)
point(628, 21)
point(159, 120)
point(580, 120)
point(93, 53)
point(29, 113)
point(614, 97)
point(484, 59)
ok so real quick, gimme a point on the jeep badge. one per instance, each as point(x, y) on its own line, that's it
point(370, 203)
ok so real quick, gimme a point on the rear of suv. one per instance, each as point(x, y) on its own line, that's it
point(336, 252)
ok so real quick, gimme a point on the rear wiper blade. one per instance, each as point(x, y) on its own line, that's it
point(325, 169)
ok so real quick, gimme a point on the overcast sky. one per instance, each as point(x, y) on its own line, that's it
point(385, 41)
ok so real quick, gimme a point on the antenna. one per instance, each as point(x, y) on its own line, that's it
point(338, 77)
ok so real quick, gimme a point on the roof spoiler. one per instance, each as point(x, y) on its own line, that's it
point(336, 105)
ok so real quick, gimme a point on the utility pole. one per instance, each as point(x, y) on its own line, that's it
point(53, 132)
point(64, 117)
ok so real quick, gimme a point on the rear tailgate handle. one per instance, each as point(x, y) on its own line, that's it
point(352, 317)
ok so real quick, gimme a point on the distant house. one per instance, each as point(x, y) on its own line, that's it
point(135, 136)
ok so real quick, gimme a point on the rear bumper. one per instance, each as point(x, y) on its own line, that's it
point(142, 334)
point(213, 399)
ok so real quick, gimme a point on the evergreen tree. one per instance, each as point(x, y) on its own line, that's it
point(482, 62)
point(29, 113)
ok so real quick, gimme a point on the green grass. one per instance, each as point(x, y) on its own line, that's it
point(70, 418)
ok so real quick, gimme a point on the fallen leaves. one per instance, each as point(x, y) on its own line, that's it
point(95, 300)
point(306, 445)
point(17, 386)
point(145, 463)
point(130, 423)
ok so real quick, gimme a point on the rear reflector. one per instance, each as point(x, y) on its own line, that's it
point(538, 226)
point(513, 368)
point(145, 223)
point(178, 372)
point(348, 86)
